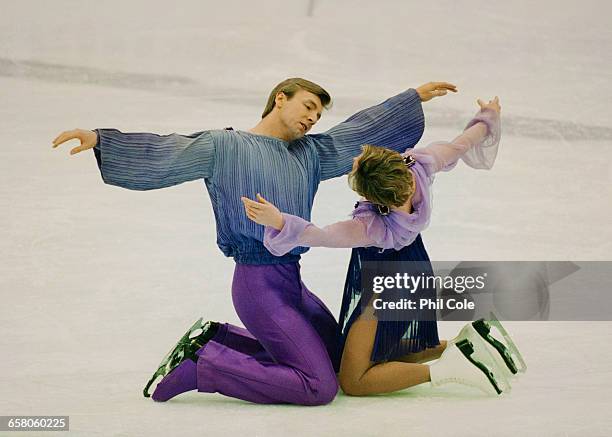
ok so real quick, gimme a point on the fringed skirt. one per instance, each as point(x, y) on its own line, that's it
point(394, 338)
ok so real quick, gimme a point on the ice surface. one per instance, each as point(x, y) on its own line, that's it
point(98, 282)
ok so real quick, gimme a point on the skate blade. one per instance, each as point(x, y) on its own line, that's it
point(467, 349)
point(502, 357)
point(157, 377)
point(485, 356)
point(516, 355)
point(483, 331)
point(176, 355)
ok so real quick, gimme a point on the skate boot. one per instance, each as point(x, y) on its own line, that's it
point(186, 348)
point(462, 363)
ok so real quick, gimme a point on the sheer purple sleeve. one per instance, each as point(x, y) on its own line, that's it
point(477, 146)
point(299, 232)
point(482, 149)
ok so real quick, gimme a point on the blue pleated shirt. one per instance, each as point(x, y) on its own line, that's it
point(236, 163)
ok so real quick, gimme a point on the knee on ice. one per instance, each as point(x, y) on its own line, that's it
point(352, 386)
point(323, 391)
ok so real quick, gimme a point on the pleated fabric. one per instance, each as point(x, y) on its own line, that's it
point(236, 163)
point(394, 338)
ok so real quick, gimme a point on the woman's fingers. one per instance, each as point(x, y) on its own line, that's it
point(256, 211)
point(250, 213)
point(248, 209)
point(491, 104)
point(251, 209)
point(251, 203)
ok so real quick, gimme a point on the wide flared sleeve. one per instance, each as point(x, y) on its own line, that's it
point(397, 123)
point(299, 232)
point(477, 146)
point(146, 161)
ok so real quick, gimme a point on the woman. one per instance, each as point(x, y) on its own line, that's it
point(383, 354)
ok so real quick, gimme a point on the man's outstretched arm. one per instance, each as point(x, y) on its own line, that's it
point(397, 123)
point(145, 161)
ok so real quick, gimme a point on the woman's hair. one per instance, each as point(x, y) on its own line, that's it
point(382, 177)
point(290, 86)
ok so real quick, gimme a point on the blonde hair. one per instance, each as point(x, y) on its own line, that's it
point(290, 86)
point(382, 177)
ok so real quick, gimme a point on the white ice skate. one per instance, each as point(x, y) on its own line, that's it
point(462, 363)
point(505, 352)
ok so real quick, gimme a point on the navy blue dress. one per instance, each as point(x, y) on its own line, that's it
point(394, 338)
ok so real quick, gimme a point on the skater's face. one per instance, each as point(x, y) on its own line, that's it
point(298, 114)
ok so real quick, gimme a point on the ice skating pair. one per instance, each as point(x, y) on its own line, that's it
point(480, 357)
point(182, 359)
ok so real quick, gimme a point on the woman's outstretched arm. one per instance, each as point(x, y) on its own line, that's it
point(477, 145)
point(284, 232)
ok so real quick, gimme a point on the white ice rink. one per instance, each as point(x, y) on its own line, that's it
point(97, 282)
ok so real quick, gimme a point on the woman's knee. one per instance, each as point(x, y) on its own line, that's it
point(351, 385)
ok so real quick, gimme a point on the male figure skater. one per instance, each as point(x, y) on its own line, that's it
point(289, 351)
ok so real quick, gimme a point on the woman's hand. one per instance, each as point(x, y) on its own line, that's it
point(434, 89)
point(263, 212)
point(493, 104)
point(87, 138)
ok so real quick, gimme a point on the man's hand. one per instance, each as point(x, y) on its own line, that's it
point(434, 89)
point(263, 212)
point(493, 104)
point(88, 139)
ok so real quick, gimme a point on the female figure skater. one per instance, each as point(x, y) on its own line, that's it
point(382, 355)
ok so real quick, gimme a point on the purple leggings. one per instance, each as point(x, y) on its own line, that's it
point(289, 350)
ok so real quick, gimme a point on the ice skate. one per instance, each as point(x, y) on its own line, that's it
point(471, 333)
point(186, 348)
point(511, 348)
point(505, 354)
point(462, 363)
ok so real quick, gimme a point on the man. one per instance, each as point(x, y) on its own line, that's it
point(289, 351)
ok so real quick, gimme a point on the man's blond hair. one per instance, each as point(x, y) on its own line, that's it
point(290, 86)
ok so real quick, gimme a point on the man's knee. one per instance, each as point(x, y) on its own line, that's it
point(323, 391)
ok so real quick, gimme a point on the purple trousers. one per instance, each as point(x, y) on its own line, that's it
point(289, 350)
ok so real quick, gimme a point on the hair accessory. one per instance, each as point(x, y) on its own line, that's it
point(383, 209)
point(409, 161)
